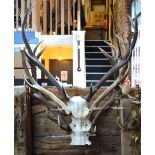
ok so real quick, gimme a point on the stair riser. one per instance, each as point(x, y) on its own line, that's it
point(94, 55)
point(97, 65)
point(96, 77)
point(97, 62)
point(95, 43)
point(97, 69)
point(96, 49)
point(106, 84)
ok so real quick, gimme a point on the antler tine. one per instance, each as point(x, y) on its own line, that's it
point(33, 60)
point(49, 95)
point(116, 67)
point(112, 61)
point(63, 124)
point(25, 66)
point(50, 77)
point(41, 52)
point(116, 52)
point(42, 90)
point(43, 100)
point(106, 104)
point(23, 32)
point(35, 49)
point(33, 69)
point(116, 83)
point(106, 76)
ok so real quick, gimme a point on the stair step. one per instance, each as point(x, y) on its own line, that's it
point(98, 46)
point(97, 77)
point(97, 62)
point(98, 80)
point(94, 55)
point(90, 69)
point(98, 66)
point(93, 82)
point(96, 49)
point(96, 59)
point(96, 73)
point(96, 43)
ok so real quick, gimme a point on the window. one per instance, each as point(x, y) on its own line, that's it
point(135, 61)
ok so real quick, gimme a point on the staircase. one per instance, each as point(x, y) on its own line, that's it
point(97, 65)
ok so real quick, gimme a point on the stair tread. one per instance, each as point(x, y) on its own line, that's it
point(97, 40)
point(96, 52)
point(98, 80)
point(98, 65)
point(96, 59)
point(96, 73)
point(95, 70)
point(97, 46)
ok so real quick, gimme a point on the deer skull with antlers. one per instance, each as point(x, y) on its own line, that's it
point(77, 106)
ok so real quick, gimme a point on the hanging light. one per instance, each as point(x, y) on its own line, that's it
point(59, 58)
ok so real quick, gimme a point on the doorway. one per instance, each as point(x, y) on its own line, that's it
point(57, 66)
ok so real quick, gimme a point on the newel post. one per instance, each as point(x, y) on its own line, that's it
point(79, 69)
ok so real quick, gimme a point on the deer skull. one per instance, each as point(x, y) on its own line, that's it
point(76, 106)
point(80, 122)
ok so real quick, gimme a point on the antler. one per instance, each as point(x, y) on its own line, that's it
point(42, 94)
point(34, 62)
point(117, 61)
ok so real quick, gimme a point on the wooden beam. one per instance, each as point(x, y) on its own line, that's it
point(44, 17)
point(62, 17)
point(69, 15)
point(17, 15)
point(51, 23)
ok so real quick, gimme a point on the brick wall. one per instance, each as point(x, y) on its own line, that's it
point(121, 10)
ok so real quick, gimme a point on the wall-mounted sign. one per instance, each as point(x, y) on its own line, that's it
point(64, 75)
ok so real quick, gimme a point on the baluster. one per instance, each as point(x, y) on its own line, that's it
point(28, 18)
point(56, 17)
point(17, 15)
point(73, 14)
point(69, 16)
point(33, 14)
point(51, 23)
point(44, 17)
point(79, 16)
point(22, 10)
point(37, 15)
point(62, 17)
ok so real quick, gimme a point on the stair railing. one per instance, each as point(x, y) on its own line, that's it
point(49, 16)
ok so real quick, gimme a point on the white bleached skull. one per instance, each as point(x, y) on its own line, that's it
point(80, 122)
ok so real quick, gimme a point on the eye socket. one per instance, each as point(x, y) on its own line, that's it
point(74, 125)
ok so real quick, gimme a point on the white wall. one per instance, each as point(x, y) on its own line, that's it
point(79, 77)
